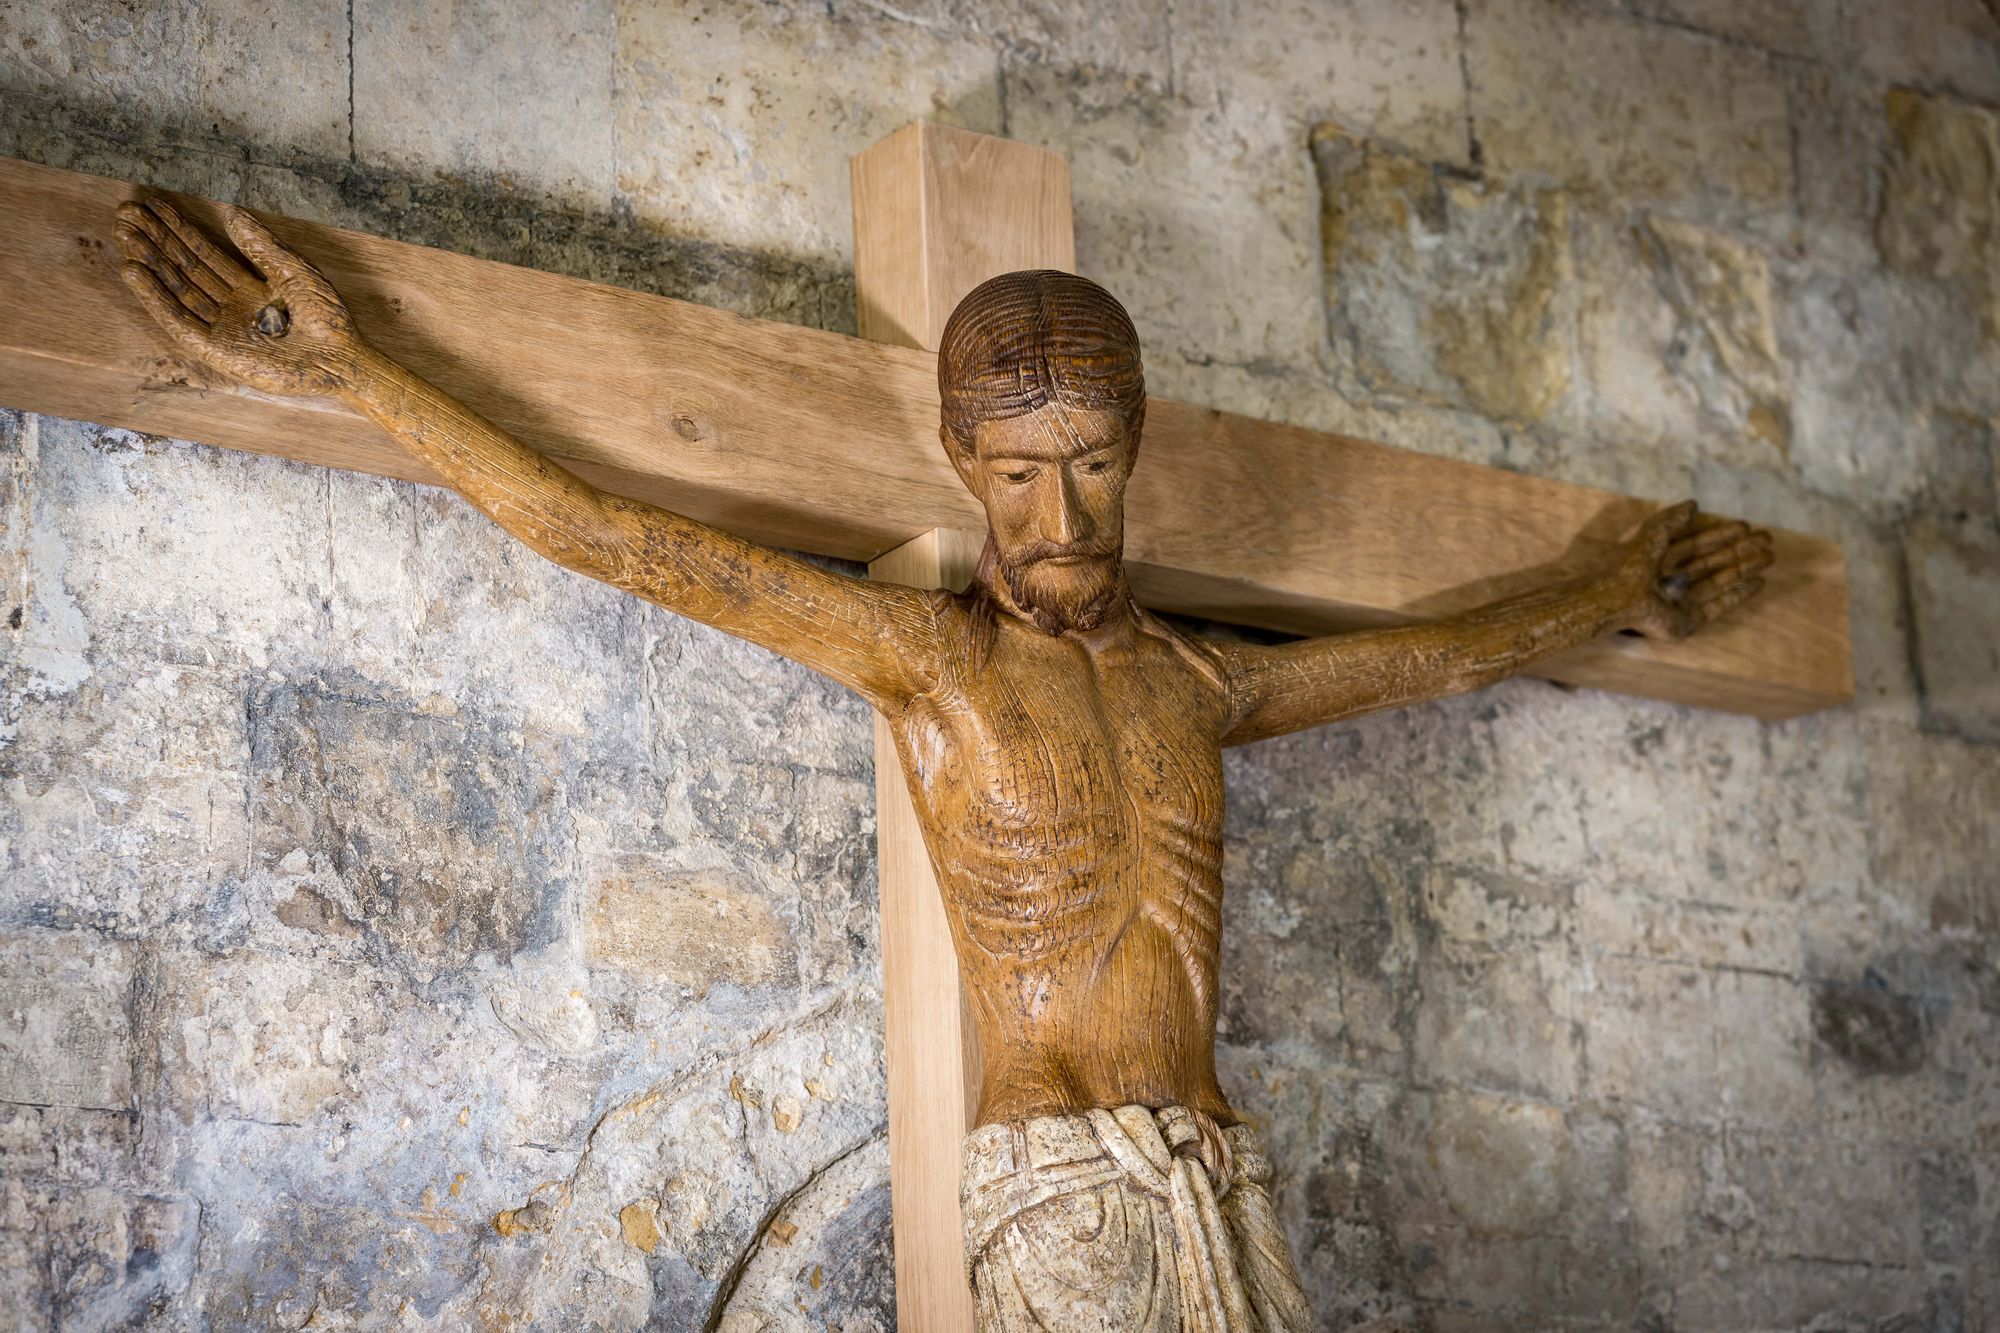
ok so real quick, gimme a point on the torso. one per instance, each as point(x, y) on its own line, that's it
point(1070, 791)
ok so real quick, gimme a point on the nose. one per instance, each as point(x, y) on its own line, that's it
point(1062, 520)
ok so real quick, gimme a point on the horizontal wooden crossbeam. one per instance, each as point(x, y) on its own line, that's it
point(826, 443)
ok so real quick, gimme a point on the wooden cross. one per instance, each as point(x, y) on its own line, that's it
point(815, 441)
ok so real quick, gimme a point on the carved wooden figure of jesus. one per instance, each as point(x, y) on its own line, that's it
point(1063, 746)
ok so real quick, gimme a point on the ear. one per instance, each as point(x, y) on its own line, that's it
point(965, 464)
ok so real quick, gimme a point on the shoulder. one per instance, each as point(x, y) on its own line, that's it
point(1198, 655)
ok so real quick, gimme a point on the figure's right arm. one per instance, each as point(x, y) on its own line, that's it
point(288, 333)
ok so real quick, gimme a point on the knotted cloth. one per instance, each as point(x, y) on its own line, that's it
point(1125, 1221)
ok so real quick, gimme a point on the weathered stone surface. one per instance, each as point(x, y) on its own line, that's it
point(438, 88)
point(1953, 595)
point(398, 931)
point(1240, 293)
point(1940, 211)
point(1501, 1163)
point(1442, 288)
point(1628, 110)
point(695, 932)
point(211, 62)
point(1680, 342)
point(729, 127)
point(1388, 70)
point(1861, 408)
point(1949, 44)
point(66, 1038)
point(1798, 27)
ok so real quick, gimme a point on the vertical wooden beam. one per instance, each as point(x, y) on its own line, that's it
point(937, 211)
point(933, 1051)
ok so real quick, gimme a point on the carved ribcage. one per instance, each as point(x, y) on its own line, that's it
point(1059, 813)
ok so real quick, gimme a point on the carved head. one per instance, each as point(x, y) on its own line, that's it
point(1044, 398)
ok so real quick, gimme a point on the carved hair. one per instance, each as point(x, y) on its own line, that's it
point(1021, 341)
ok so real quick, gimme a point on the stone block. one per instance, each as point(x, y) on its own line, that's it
point(692, 931)
point(1136, 39)
point(1500, 1163)
point(66, 1145)
point(447, 840)
point(1763, 1048)
point(112, 1258)
point(745, 703)
point(1795, 27)
point(729, 127)
point(1948, 44)
point(1442, 288)
point(1967, 481)
point(1939, 217)
point(121, 793)
point(278, 1041)
point(1508, 1022)
point(519, 99)
point(273, 81)
point(1626, 110)
point(1843, 138)
point(101, 52)
point(1648, 1037)
point(1932, 838)
point(1831, 1200)
point(834, 1266)
point(278, 76)
point(1955, 600)
point(125, 528)
point(1789, 1292)
point(1619, 919)
point(1678, 339)
point(66, 1027)
point(1863, 404)
point(1388, 71)
point(1159, 187)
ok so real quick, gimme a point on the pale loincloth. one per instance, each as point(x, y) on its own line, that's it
point(1125, 1221)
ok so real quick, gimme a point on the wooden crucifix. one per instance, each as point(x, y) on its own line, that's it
point(1059, 743)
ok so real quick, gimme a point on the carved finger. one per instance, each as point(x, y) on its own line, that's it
point(1671, 522)
point(1725, 598)
point(166, 243)
point(1701, 543)
point(222, 265)
point(1748, 555)
point(139, 248)
point(254, 239)
point(187, 333)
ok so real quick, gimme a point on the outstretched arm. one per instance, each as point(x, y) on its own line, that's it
point(1670, 582)
point(287, 332)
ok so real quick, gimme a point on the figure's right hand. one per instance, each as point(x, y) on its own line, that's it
point(285, 332)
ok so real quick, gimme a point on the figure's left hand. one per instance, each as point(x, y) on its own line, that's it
point(1680, 579)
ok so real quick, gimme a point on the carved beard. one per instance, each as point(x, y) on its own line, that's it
point(1063, 597)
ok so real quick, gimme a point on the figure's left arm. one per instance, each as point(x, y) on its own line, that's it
point(1670, 581)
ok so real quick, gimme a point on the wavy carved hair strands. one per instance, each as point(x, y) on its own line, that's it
point(1022, 341)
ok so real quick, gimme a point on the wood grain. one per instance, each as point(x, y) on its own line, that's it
point(933, 1054)
point(820, 442)
point(937, 211)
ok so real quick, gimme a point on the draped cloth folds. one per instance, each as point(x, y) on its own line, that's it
point(1125, 1221)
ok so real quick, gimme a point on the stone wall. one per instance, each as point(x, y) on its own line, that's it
point(398, 931)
